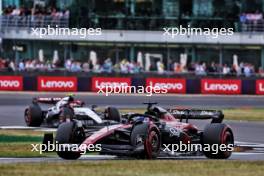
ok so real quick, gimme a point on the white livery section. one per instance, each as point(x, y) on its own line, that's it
point(88, 112)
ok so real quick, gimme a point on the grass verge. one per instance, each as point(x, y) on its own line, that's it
point(137, 167)
point(20, 150)
point(17, 143)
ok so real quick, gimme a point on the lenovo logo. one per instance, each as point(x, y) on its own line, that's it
point(102, 83)
point(170, 84)
point(260, 87)
point(11, 83)
point(219, 86)
point(6, 83)
point(99, 84)
point(57, 83)
point(223, 87)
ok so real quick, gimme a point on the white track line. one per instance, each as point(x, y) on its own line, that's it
point(27, 128)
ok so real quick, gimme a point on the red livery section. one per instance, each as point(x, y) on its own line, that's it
point(172, 85)
point(14, 83)
point(109, 82)
point(260, 87)
point(48, 83)
point(220, 86)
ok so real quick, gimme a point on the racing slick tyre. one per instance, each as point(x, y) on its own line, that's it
point(148, 136)
point(112, 113)
point(69, 133)
point(66, 113)
point(33, 115)
point(217, 134)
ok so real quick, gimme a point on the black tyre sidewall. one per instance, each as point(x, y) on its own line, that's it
point(112, 113)
point(64, 136)
point(213, 134)
point(35, 118)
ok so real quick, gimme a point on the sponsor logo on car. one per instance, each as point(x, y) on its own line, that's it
point(101, 83)
point(57, 83)
point(11, 83)
point(217, 86)
point(260, 87)
point(172, 85)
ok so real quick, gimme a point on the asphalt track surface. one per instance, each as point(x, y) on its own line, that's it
point(12, 106)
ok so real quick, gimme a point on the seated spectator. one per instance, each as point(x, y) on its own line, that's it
point(21, 65)
point(261, 72)
point(200, 69)
point(130, 67)
point(247, 70)
point(177, 68)
point(68, 64)
point(234, 70)
point(97, 68)
point(212, 68)
point(15, 12)
point(2, 63)
point(124, 66)
point(226, 70)
point(86, 67)
point(107, 66)
point(11, 66)
point(160, 67)
point(137, 68)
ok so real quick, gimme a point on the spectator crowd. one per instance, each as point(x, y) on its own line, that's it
point(252, 22)
point(38, 11)
point(202, 69)
point(70, 65)
point(129, 67)
point(39, 16)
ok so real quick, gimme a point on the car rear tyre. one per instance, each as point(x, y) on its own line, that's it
point(68, 133)
point(112, 113)
point(66, 113)
point(33, 116)
point(218, 134)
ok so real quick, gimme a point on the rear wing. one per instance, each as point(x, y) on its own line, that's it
point(46, 100)
point(215, 115)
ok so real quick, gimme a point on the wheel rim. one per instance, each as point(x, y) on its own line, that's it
point(153, 144)
point(28, 117)
point(154, 141)
point(227, 139)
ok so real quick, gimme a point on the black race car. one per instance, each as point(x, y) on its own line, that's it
point(150, 135)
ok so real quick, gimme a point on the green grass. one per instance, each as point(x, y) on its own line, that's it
point(17, 143)
point(137, 167)
point(20, 150)
point(244, 114)
point(12, 138)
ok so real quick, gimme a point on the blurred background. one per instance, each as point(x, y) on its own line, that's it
point(132, 40)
